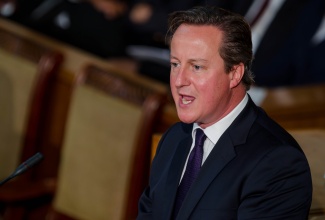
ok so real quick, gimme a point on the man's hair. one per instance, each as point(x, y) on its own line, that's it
point(236, 44)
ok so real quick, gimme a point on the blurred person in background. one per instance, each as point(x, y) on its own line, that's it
point(288, 35)
point(78, 23)
point(287, 40)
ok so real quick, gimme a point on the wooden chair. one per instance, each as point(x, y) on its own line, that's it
point(27, 74)
point(154, 144)
point(296, 107)
point(106, 151)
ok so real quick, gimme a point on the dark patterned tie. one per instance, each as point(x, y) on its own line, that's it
point(192, 170)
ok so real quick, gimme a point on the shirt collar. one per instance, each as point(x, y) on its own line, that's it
point(215, 131)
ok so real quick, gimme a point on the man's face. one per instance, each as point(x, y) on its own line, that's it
point(201, 88)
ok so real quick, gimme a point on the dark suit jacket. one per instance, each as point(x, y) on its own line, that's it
point(255, 171)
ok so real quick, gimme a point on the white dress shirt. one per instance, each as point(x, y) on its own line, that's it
point(215, 131)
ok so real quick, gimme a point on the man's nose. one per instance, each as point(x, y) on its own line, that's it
point(182, 78)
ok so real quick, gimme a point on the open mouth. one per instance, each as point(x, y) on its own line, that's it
point(186, 99)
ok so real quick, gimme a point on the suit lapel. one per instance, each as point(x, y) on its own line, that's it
point(174, 174)
point(222, 153)
point(220, 156)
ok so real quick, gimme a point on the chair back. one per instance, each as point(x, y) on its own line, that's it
point(298, 107)
point(27, 71)
point(106, 151)
point(312, 141)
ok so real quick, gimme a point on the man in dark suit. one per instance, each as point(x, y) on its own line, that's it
point(226, 159)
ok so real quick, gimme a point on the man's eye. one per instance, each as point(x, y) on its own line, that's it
point(174, 64)
point(197, 67)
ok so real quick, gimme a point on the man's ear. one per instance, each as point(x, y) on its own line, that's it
point(236, 74)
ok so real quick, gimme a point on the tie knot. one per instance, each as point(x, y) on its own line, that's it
point(199, 137)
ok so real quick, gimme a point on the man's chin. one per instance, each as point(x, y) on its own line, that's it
point(186, 119)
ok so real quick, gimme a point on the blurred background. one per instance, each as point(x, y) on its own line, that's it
point(288, 36)
point(86, 83)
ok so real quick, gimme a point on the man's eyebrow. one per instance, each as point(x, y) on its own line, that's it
point(192, 59)
point(198, 60)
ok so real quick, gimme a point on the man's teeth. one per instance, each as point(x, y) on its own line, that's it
point(184, 101)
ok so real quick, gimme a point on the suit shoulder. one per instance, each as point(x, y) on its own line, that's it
point(272, 132)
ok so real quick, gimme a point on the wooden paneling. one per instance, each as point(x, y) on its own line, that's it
point(297, 107)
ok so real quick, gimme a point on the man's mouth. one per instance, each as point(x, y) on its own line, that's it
point(187, 100)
